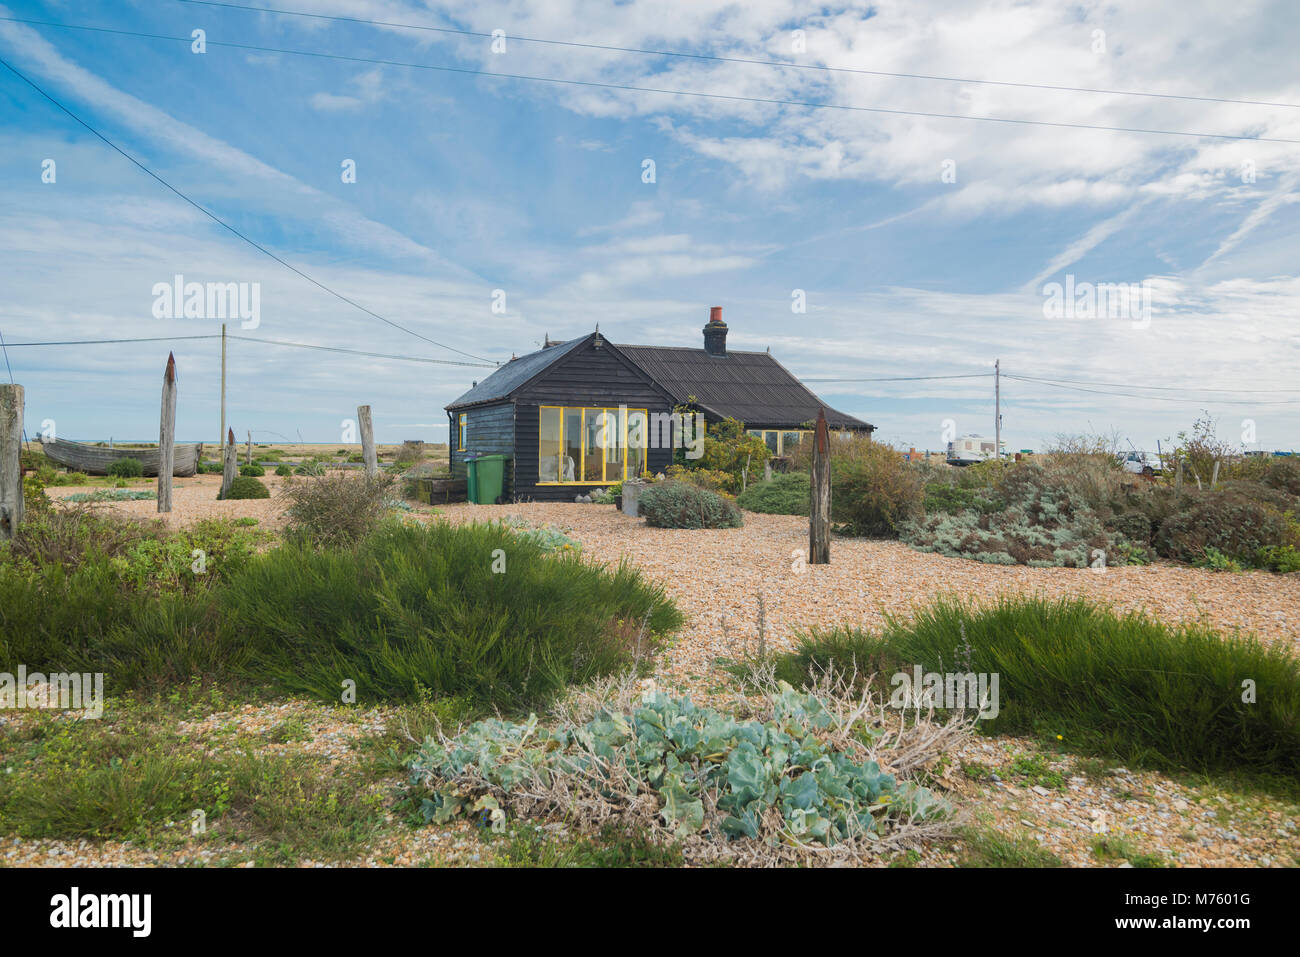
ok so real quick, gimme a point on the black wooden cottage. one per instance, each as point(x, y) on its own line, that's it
point(584, 414)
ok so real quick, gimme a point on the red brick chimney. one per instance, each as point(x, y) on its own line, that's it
point(715, 334)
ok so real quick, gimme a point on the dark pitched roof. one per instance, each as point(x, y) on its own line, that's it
point(750, 386)
point(509, 377)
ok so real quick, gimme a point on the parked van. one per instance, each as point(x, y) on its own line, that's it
point(970, 449)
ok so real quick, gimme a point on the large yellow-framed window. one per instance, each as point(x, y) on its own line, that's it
point(578, 445)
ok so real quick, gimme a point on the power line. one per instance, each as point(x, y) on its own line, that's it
point(217, 219)
point(1149, 398)
point(751, 61)
point(1162, 388)
point(269, 342)
point(623, 87)
point(907, 378)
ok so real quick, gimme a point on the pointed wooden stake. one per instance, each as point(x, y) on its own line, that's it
point(819, 517)
point(167, 436)
point(229, 462)
point(368, 454)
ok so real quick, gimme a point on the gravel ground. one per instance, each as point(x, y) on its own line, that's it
point(717, 578)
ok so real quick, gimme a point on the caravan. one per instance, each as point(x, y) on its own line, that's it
point(969, 449)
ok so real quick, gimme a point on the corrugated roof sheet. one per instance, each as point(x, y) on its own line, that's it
point(505, 380)
point(750, 386)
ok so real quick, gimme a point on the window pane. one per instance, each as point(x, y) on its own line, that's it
point(593, 445)
point(613, 446)
point(770, 439)
point(571, 460)
point(549, 450)
point(638, 433)
point(789, 440)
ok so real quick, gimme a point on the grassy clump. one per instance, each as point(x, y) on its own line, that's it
point(126, 468)
point(786, 494)
point(418, 609)
point(337, 509)
point(677, 504)
point(475, 612)
point(246, 486)
point(1123, 686)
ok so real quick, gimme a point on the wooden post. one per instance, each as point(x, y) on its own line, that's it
point(11, 473)
point(167, 436)
point(367, 440)
point(767, 471)
point(250, 446)
point(819, 517)
point(229, 461)
point(221, 436)
point(1178, 477)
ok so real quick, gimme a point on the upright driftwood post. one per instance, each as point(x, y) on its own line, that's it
point(367, 440)
point(167, 436)
point(229, 461)
point(11, 473)
point(819, 518)
point(250, 447)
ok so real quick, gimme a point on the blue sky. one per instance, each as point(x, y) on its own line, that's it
point(469, 184)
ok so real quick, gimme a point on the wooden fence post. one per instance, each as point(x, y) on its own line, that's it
point(229, 461)
point(167, 436)
point(819, 516)
point(367, 440)
point(11, 473)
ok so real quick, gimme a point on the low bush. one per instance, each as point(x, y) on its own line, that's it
point(1124, 686)
point(1235, 520)
point(126, 468)
point(416, 609)
point(245, 486)
point(311, 467)
point(674, 504)
point(710, 480)
point(254, 471)
point(283, 471)
point(338, 509)
point(802, 773)
point(789, 493)
point(874, 492)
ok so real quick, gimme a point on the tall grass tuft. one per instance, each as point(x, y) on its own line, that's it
point(415, 610)
point(1123, 685)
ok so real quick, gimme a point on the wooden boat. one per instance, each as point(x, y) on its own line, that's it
point(95, 459)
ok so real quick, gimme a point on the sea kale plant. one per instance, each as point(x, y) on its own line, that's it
point(797, 781)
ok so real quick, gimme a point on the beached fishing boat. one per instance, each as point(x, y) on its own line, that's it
point(95, 459)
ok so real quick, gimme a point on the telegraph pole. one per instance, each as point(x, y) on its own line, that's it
point(221, 442)
point(997, 409)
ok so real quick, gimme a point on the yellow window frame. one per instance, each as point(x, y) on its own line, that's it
point(581, 464)
point(462, 431)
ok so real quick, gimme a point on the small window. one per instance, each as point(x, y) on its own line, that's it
point(462, 432)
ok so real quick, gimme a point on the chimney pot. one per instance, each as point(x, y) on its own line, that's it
point(715, 334)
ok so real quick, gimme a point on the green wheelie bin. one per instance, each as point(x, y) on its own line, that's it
point(489, 484)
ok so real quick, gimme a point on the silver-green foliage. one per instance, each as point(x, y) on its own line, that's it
point(783, 780)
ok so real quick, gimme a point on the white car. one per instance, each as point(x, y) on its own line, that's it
point(1141, 463)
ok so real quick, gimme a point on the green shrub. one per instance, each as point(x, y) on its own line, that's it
point(1283, 559)
point(729, 449)
point(312, 467)
point(416, 609)
point(1124, 686)
point(674, 504)
point(251, 470)
point(283, 470)
point(126, 468)
point(1232, 520)
point(1033, 519)
point(245, 486)
point(949, 498)
point(111, 495)
point(874, 492)
point(209, 468)
point(339, 509)
point(789, 493)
